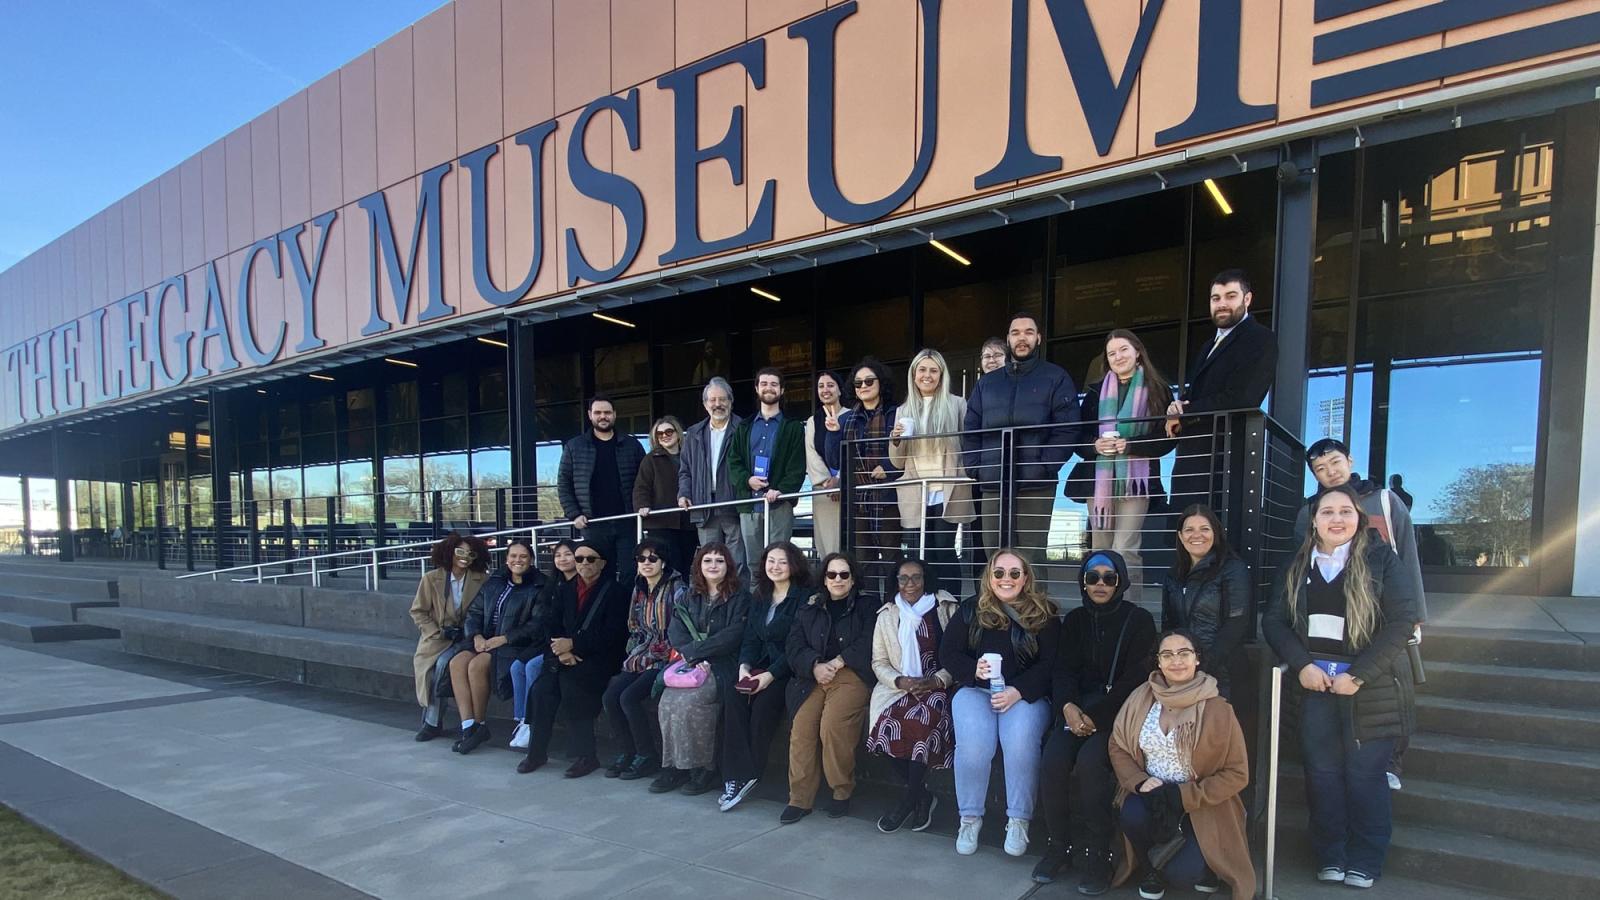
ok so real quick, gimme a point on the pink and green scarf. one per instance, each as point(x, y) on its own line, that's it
point(1123, 475)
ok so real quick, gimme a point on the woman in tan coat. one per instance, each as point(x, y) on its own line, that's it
point(930, 409)
point(1181, 762)
point(460, 567)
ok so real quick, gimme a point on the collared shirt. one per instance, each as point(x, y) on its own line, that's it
point(1222, 334)
point(716, 436)
point(763, 437)
point(1331, 564)
point(456, 586)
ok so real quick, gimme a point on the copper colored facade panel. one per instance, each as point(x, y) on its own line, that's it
point(480, 109)
point(775, 139)
point(214, 198)
point(468, 299)
point(528, 39)
point(333, 285)
point(265, 177)
point(651, 170)
point(294, 160)
point(762, 16)
point(241, 189)
point(589, 218)
point(1517, 22)
point(434, 83)
point(974, 93)
point(641, 41)
point(877, 67)
point(191, 191)
point(397, 142)
point(582, 53)
point(358, 126)
point(325, 143)
point(1296, 71)
point(518, 217)
point(1167, 81)
point(706, 26)
point(357, 272)
point(1057, 125)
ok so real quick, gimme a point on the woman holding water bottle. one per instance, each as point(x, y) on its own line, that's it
point(1340, 618)
point(999, 649)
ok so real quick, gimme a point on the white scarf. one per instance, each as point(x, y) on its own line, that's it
point(910, 618)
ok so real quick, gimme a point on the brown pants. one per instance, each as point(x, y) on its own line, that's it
point(833, 716)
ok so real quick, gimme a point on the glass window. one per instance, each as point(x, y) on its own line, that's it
point(321, 481)
point(356, 489)
point(440, 435)
point(401, 399)
point(880, 328)
point(622, 368)
point(557, 377)
point(320, 415)
point(490, 393)
point(784, 343)
point(359, 409)
point(695, 361)
point(444, 395)
point(491, 470)
point(402, 486)
point(288, 419)
point(1235, 228)
point(1121, 264)
point(491, 430)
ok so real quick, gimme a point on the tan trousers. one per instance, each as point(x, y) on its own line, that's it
point(833, 716)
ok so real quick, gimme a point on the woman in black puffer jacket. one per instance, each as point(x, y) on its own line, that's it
point(1208, 593)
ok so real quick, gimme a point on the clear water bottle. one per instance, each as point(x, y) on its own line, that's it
point(997, 681)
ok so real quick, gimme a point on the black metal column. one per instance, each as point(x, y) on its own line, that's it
point(522, 396)
point(65, 545)
point(1292, 282)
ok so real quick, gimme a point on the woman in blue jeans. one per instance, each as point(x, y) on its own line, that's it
point(1340, 618)
point(1005, 706)
point(529, 663)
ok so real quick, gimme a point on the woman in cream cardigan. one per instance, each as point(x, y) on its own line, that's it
point(825, 418)
point(910, 707)
point(1181, 762)
point(930, 409)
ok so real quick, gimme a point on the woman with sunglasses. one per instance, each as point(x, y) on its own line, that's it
point(656, 487)
point(824, 420)
point(866, 427)
point(830, 653)
point(1207, 592)
point(1180, 760)
point(1340, 617)
point(1104, 654)
point(630, 708)
point(707, 630)
point(499, 623)
point(910, 708)
point(752, 705)
point(1004, 705)
point(460, 567)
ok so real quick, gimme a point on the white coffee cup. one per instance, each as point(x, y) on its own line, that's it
point(908, 426)
point(993, 659)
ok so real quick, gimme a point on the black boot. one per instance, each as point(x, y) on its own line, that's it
point(1057, 859)
point(1096, 877)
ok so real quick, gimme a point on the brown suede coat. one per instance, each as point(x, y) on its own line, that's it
point(1222, 769)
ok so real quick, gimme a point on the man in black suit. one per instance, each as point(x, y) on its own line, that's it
point(1234, 372)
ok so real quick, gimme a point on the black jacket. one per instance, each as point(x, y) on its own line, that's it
point(1103, 646)
point(1030, 676)
point(1216, 603)
point(1383, 707)
point(1238, 374)
point(546, 610)
point(808, 641)
point(722, 623)
point(577, 469)
point(518, 622)
point(766, 644)
point(1398, 531)
point(599, 638)
point(1030, 392)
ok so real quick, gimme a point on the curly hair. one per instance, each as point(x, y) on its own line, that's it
point(442, 555)
point(697, 578)
point(799, 572)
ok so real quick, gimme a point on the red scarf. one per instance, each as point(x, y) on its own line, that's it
point(585, 589)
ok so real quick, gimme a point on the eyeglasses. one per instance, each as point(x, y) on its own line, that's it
point(464, 553)
point(587, 559)
point(866, 382)
point(647, 558)
point(666, 432)
point(909, 579)
point(1013, 574)
point(1185, 654)
point(837, 575)
point(1109, 579)
point(994, 354)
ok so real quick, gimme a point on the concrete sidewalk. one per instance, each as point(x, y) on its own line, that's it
point(207, 784)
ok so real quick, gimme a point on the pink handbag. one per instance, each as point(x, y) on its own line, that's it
point(684, 674)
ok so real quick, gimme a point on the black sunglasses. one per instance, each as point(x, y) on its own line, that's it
point(1013, 574)
point(1109, 579)
point(836, 575)
point(587, 559)
point(647, 558)
point(865, 382)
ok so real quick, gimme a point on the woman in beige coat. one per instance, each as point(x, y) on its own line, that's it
point(930, 409)
point(460, 567)
point(824, 510)
point(909, 713)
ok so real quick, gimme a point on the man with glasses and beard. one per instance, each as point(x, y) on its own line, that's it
point(767, 458)
point(596, 481)
point(703, 472)
point(1233, 371)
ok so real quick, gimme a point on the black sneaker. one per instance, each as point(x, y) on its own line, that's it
point(891, 821)
point(668, 780)
point(474, 738)
point(428, 733)
point(792, 814)
point(1153, 887)
point(1096, 877)
point(922, 819)
point(641, 767)
point(1208, 883)
point(700, 782)
point(619, 765)
point(1057, 858)
point(838, 809)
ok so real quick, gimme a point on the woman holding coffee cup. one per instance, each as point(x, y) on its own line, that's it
point(925, 443)
point(1000, 649)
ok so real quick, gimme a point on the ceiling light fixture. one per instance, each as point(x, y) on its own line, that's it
point(401, 362)
point(950, 253)
point(767, 294)
point(322, 377)
point(1216, 194)
point(613, 320)
point(493, 342)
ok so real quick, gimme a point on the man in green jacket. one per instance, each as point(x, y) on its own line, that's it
point(768, 455)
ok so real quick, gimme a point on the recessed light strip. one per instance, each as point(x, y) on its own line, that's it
point(1216, 194)
point(767, 294)
point(939, 246)
point(613, 320)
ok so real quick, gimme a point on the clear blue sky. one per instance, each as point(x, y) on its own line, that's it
point(97, 97)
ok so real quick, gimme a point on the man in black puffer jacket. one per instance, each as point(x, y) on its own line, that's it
point(1028, 391)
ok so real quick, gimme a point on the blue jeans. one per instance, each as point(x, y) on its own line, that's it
point(523, 674)
point(1185, 869)
point(1347, 791)
point(1019, 732)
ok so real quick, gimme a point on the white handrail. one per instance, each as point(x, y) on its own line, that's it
point(1272, 780)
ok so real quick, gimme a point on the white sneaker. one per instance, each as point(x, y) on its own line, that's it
point(1355, 879)
point(1394, 781)
point(519, 738)
point(1016, 836)
point(1330, 873)
point(967, 835)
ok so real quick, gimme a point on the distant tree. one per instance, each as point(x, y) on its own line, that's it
point(1491, 507)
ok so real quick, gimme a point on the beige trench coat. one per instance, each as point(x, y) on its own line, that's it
point(886, 655)
point(433, 611)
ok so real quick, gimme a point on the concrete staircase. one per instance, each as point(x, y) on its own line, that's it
point(1502, 781)
point(39, 604)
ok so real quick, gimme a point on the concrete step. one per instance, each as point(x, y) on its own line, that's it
point(26, 629)
point(1554, 771)
point(388, 655)
point(39, 580)
point(1477, 863)
point(1539, 820)
point(1510, 647)
point(1562, 688)
point(60, 609)
point(1509, 722)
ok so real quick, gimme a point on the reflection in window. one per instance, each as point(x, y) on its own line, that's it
point(694, 362)
point(622, 368)
point(1326, 412)
point(402, 486)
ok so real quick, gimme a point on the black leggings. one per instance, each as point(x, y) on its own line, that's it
point(915, 775)
point(632, 713)
point(1078, 788)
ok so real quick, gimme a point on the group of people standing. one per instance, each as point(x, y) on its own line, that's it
point(700, 640)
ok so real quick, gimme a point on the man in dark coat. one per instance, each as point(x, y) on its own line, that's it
point(1038, 398)
point(703, 472)
point(595, 481)
point(1235, 371)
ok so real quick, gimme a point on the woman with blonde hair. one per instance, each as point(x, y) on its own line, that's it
point(656, 487)
point(926, 443)
point(1340, 618)
point(999, 649)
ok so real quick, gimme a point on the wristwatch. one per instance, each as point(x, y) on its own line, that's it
point(1358, 681)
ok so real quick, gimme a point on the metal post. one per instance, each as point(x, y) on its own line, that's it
point(188, 536)
point(161, 528)
point(766, 521)
point(438, 515)
point(252, 511)
point(847, 498)
point(499, 509)
point(288, 533)
point(1272, 782)
point(638, 528)
point(316, 577)
point(922, 533)
point(1004, 536)
point(332, 514)
point(380, 526)
point(372, 581)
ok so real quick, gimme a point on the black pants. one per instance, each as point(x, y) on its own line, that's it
point(748, 726)
point(615, 541)
point(552, 691)
point(632, 714)
point(877, 543)
point(1078, 787)
point(941, 555)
